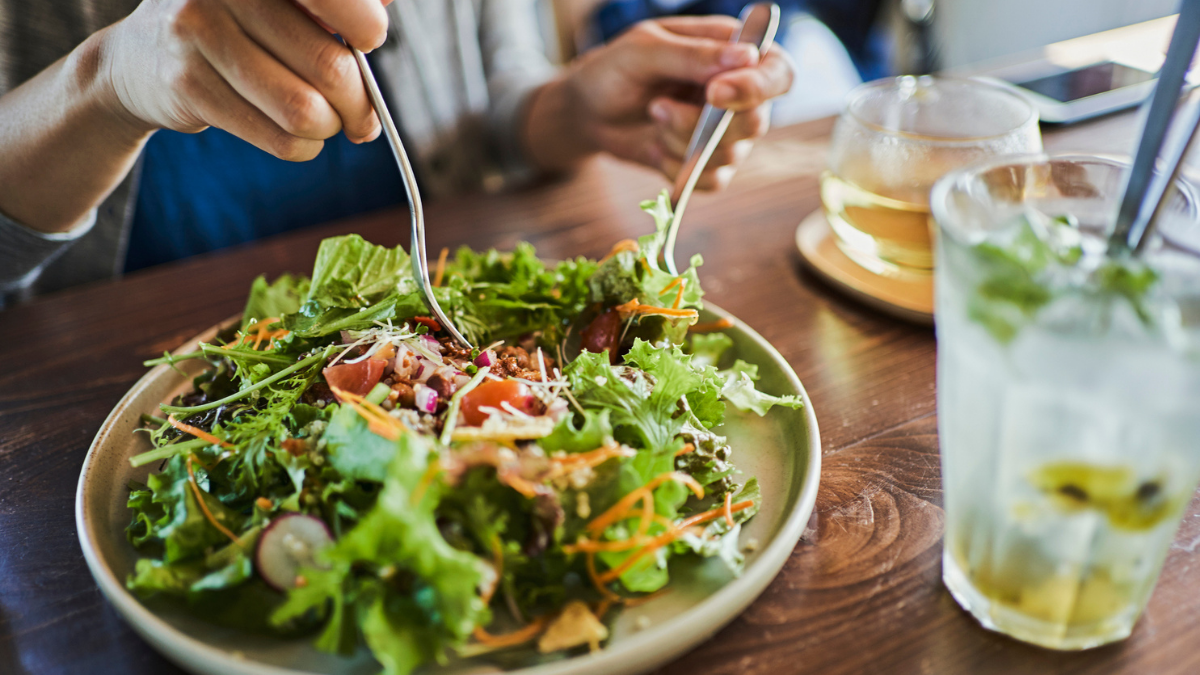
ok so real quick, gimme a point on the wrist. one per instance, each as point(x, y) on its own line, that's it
point(91, 68)
point(558, 134)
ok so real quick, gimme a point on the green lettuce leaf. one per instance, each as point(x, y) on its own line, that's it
point(315, 320)
point(354, 450)
point(739, 391)
point(175, 517)
point(708, 348)
point(352, 272)
point(506, 295)
point(639, 275)
point(283, 296)
point(438, 605)
point(595, 431)
point(720, 540)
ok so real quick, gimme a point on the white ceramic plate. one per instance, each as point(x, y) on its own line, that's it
point(782, 449)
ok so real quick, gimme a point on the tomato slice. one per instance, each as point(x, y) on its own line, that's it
point(491, 394)
point(603, 333)
point(356, 378)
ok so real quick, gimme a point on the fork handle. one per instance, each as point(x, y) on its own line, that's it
point(759, 23)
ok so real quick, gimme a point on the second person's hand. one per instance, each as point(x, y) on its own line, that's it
point(640, 96)
point(267, 71)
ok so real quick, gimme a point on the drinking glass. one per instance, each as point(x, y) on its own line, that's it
point(895, 138)
point(1068, 397)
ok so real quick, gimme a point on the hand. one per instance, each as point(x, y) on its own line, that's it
point(640, 96)
point(267, 71)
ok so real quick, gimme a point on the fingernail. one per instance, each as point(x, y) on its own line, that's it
point(738, 55)
point(658, 110)
point(721, 94)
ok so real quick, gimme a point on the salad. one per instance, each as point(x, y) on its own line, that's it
point(343, 470)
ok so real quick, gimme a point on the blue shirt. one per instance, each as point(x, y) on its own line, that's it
point(201, 192)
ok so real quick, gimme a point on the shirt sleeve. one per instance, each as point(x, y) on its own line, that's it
point(515, 63)
point(25, 252)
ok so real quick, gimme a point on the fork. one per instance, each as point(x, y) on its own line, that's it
point(417, 251)
point(759, 23)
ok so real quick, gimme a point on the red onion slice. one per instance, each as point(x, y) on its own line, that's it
point(426, 398)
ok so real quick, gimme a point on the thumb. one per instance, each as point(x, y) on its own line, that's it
point(650, 52)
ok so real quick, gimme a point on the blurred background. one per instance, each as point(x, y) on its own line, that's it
point(839, 43)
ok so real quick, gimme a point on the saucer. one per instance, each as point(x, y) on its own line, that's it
point(903, 295)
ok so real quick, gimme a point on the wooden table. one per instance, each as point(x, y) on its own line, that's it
point(862, 594)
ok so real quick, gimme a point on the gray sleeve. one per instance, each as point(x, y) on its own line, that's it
point(515, 62)
point(25, 252)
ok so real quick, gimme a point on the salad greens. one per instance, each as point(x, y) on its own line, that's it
point(425, 499)
point(1043, 258)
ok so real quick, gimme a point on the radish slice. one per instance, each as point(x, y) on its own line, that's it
point(288, 544)
point(426, 398)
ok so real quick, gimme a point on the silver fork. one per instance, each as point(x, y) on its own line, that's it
point(420, 260)
point(759, 23)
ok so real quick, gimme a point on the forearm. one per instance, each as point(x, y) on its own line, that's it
point(555, 134)
point(65, 141)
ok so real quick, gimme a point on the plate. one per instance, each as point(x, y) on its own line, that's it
point(904, 296)
point(782, 449)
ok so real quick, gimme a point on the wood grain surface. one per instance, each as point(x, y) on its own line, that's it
point(862, 594)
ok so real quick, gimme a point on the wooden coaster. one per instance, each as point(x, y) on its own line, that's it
point(902, 295)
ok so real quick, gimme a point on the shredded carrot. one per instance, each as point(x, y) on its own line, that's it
point(672, 533)
point(593, 458)
point(602, 608)
point(623, 245)
point(263, 503)
point(441, 267)
point(679, 295)
point(617, 511)
point(198, 433)
point(667, 289)
point(591, 546)
point(729, 509)
point(647, 513)
point(203, 506)
point(518, 637)
point(428, 322)
point(378, 421)
point(261, 333)
point(604, 590)
point(710, 326)
point(633, 307)
point(700, 518)
point(685, 449)
point(655, 544)
point(260, 324)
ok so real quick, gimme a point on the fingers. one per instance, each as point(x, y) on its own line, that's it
point(220, 106)
point(747, 88)
point(677, 121)
point(649, 52)
point(362, 23)
point(314, 55)
point(714, 27)
point(290, 102)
